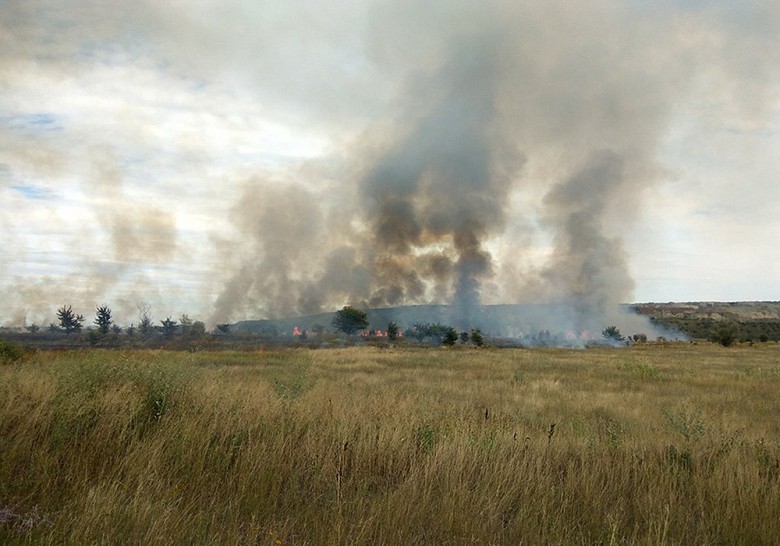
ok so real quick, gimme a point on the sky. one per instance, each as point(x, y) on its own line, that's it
point(234, 159)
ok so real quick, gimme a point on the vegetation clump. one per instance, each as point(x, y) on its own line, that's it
point(10, 352)
point(69, 321)
point(612, 334)
point(350, 320)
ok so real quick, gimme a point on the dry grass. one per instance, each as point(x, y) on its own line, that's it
point(676, 444)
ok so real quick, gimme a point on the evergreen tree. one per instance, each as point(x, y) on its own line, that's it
point(69, 321)
point(103, 319)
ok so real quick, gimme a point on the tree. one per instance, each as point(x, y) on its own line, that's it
point(419, 330)
point(450, 337)
point(612, 333)
point(197, 329)
point(392, 331)
point(186, 323)
point(69, 321)
point(103, 319)
point(350, 320)
point(436, 332)
point(476, 337)
point(144, 318)
point(168, 327)
point(726, 334)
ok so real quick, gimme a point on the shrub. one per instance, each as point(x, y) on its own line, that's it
point(10, 352)
point(450, 337)
point(726, 335)
point(392, 331)
point(612, 333)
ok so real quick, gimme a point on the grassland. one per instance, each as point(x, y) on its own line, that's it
point(652, 444)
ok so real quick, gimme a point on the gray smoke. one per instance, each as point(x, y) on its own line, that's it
point(479, 99)
point(477, 153)
point(436, 194)
point(565, 107)
point(588, 268)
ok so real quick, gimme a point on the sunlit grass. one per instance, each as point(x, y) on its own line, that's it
point(675, 444)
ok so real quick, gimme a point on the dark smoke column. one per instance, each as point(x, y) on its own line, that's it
point(437, 192)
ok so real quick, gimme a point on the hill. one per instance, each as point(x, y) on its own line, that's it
point(748, 320)
point(752, 321)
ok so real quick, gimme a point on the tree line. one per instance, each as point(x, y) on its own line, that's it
point(70, 322)
point(186, 332)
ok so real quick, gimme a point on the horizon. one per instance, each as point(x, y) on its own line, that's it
point(88, 324)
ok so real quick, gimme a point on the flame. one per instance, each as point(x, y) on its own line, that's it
point(296, 331)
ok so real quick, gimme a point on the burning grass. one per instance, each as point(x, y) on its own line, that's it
point(676, 444)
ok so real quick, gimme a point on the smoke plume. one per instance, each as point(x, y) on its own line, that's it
point(247, 161)
point(491, 105)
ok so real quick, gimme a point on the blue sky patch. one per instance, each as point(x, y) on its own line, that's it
point(37, 121)
point(32, 192)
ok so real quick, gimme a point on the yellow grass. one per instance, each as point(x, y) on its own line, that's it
point(654, 444)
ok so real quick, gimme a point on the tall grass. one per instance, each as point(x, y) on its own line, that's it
point(650, 445)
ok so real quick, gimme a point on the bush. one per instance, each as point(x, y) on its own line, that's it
point(726, 335)
point(10, 352)
point(612, 333)
point(392, 331)
point(450, 337)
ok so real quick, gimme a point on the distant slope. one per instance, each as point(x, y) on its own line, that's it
point(512, 320)
point(749, 320)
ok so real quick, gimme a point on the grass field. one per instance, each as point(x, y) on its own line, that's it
point(652, 444)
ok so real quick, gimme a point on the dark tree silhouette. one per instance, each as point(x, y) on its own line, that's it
point(69, 321)
point(450, 336)
point(168, 327)
point(392, 331)
point(350, 320)
point(103, 319)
